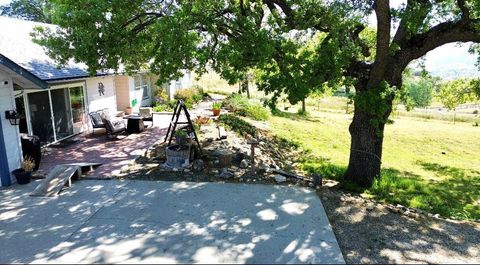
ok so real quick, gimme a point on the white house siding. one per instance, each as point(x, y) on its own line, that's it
point(184, 82)
point(10, 132)
point(95, 100)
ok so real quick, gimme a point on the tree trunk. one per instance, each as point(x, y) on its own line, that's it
point(304, 107)
point(366, 132)
point(245, 87)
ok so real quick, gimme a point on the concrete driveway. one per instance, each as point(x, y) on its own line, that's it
point(111, 221)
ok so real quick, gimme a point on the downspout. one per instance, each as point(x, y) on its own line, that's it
point(4, 170)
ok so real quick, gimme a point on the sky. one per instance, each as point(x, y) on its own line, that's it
point(448, 61)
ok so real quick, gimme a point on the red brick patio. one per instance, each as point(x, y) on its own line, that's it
point(112, 154)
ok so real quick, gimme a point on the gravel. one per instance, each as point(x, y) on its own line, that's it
point(376, 235)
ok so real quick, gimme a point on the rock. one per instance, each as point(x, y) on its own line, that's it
point(311, 185)
point(394, 209)
point(198, 165)
point(280, 178)
point(370, 207)
point(226, 174)
point(413, 215)
point(186, 170)
point(274, 166)
point(436, 216)
point(317, 180)
point(244, 163)
point(175, 169)
point(238, 157)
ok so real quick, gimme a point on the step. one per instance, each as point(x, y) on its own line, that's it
point(58, 177)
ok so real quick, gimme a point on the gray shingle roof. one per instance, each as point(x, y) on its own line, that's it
point(16, 44)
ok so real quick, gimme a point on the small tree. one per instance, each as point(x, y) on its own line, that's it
point(457, 92)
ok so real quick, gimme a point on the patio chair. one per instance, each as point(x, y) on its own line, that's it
point(97, 121)
point(114, 128)
point(146, 113)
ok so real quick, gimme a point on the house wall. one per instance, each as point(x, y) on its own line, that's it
point(123, 92)
point(184, 82)
point(97, 101)
point(10, 132)
point(138, 95)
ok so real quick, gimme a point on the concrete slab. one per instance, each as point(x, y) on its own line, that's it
point(167, 222)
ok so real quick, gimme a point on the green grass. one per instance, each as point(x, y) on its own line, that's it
point(432, 165)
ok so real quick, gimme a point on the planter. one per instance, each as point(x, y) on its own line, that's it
point(128, 110)
point(216, 112)
point(22, 176)
point(177, 156)
point(182, 140)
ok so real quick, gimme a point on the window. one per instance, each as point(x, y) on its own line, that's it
point(142, 82)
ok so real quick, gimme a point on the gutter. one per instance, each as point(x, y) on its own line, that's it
point(22, 72)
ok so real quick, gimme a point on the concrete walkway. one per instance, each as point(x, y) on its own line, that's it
point(112, 221)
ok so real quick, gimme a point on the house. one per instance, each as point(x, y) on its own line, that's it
point(54, 102)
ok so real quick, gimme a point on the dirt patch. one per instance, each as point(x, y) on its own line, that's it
point(370, 233)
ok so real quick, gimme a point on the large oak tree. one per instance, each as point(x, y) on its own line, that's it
point(294, 46)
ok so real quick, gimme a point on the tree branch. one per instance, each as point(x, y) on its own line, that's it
point(402, 33)
point(285, 8)
point(443, 33)
point(382, 12)
point(464, 9)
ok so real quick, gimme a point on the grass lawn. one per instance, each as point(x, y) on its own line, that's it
point(432, 165)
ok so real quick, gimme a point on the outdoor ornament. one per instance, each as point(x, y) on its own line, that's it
point(134, 102)
point(101, 89)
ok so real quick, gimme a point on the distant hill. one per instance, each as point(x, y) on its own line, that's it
point(451, 61)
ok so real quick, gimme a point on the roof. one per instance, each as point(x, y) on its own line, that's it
point(16, 44)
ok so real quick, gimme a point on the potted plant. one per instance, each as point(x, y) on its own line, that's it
point(24, 174)
point(181, 137)
point(128, 110)
point(216, 106)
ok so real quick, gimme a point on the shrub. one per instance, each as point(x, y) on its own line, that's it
point(190, 95)
point(238, 125)
point(165, 107)
point(242, 106)
point(257, 112)
point(235, 102)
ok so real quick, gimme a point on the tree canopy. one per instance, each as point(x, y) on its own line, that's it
point(294, 46)
point(35, 10)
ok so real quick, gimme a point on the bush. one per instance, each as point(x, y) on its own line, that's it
point(257, 112)
point(165, 107)
point(242, 106)
point(190, 95)
point(238, 125)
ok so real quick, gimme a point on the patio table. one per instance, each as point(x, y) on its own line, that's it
point(135, 124)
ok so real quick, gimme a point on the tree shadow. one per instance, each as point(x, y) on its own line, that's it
point(169, 222)
point(294, 116)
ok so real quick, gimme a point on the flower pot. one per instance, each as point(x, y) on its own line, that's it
point(216, 112)
point(128, 110)
point(179, 140)
point(22, 176)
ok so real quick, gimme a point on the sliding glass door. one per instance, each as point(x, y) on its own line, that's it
point(62, 113)
point(41, 116)
point(57, 113)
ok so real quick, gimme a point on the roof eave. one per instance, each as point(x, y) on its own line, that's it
point(22, 72)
